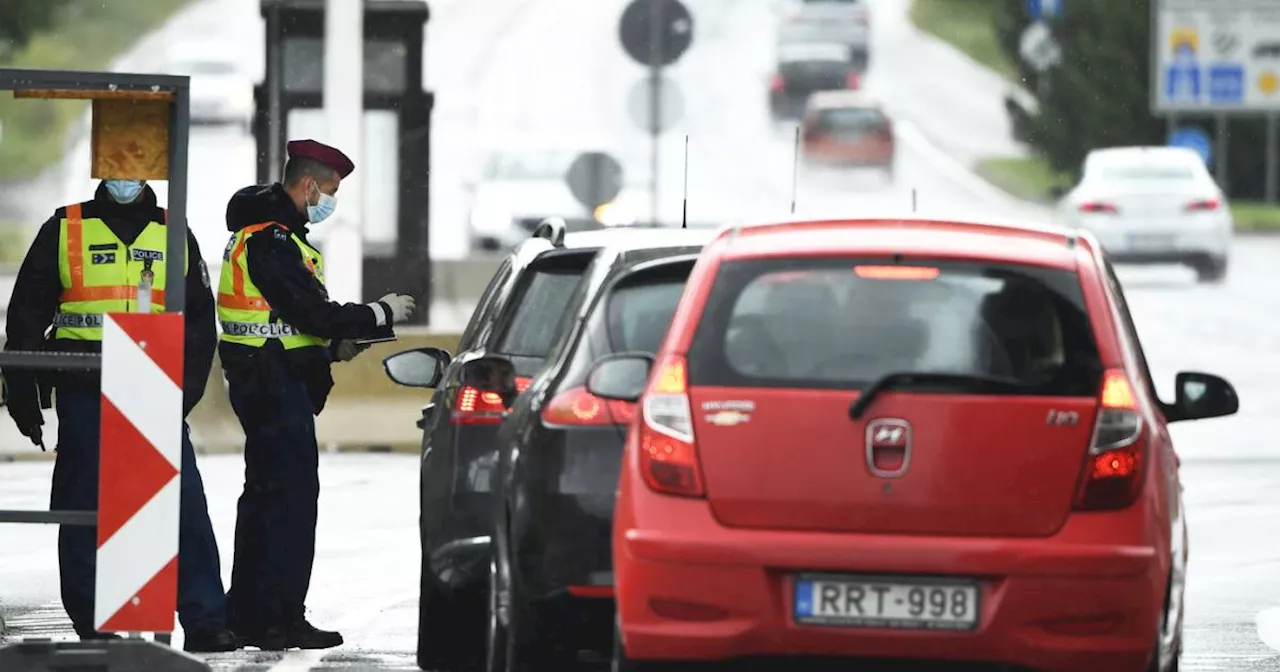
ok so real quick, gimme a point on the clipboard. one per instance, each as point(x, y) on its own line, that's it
point(380, 339)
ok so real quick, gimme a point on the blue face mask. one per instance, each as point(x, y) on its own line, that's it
point(325, 205)
point(124, 191)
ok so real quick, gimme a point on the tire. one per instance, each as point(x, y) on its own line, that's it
point(447, 639)
point(1212, 270)
point(620, 662)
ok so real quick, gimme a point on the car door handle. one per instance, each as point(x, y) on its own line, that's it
point(428, 415)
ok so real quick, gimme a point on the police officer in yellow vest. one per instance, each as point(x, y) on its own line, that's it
point(280, 334)
point(105, 256)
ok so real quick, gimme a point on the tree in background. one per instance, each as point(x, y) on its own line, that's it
point(1099, 95)
point(21, 19)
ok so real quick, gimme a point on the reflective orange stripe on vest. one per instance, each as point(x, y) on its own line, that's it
point(75, 262)
point(236, 300)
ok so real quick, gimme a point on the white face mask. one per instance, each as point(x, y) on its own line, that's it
point(323, 208)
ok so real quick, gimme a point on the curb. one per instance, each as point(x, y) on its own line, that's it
point(236, 449)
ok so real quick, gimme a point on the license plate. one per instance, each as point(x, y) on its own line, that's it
point(886, 602)
point(1150, 241)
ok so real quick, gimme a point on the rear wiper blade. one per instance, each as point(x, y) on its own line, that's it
point(966, 381)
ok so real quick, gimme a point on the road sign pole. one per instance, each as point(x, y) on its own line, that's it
point(1273, 170)
point(1222, 133)
point(344, 107)
point(655, 103)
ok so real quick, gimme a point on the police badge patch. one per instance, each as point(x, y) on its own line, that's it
point(204, 273)
point(280, 233)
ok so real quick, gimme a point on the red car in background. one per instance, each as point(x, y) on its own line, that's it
point(903, 440)
point(845, 128)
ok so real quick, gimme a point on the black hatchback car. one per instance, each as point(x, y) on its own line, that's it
point(804, 69)
point(534, 296)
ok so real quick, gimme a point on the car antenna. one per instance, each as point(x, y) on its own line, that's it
point(795, 170)
point(684, 207)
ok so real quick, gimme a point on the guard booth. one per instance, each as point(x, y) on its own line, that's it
point(393, 56)
point(140, 126)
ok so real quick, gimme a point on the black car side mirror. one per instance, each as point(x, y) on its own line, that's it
point(420, 367)
point(491, 374)
point(1203, 395)
point(620, 377)
point(1057, 191)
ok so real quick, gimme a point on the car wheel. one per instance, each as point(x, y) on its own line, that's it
point(1212, 270)
point(446, 627)
point(499, 643)
point(1168, 650)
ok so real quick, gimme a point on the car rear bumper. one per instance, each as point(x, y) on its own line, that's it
point(850, 155)
point(705, 592)
point(1209, 237)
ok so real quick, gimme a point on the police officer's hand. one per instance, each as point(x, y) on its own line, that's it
point(24, 408)
point(347, 350)
point(401, 306)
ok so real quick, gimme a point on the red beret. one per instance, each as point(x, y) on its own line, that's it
point(324, 154)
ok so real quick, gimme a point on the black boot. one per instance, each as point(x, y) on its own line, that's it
point(297, 635)
point(210, 639)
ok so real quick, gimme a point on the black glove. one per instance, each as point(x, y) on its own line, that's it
point(24, 407)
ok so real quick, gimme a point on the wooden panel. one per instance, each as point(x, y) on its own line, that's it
point(130, 140)
point(76, 94)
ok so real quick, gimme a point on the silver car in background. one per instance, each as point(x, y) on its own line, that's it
point(518, 188)
point(221, 88)
point(846, 22)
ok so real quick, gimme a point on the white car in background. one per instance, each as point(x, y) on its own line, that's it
point(221, 89)
point(518, 188)
point(1152, 205)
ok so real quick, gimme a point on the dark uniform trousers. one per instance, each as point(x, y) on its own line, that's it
point(276, 521)
point(201, 602)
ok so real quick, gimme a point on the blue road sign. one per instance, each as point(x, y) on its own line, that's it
point(1195, 139)
point(1182, 83)
point(1043, 9)
point(1226, 83)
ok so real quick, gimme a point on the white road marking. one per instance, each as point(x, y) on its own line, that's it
point(356, 622)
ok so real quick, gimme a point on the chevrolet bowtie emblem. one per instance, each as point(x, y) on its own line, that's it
point(727, 418)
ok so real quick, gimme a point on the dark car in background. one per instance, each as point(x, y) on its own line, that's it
point(805, 69)
point(515, 324)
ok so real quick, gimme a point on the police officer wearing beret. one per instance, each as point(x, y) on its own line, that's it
point(280, 334)
point(107, 256)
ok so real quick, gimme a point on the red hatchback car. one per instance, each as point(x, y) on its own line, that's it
point(898, 440)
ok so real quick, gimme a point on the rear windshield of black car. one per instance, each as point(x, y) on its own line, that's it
point(842, 323)
point(640, 313)
point(858, 119)
point(539, 310)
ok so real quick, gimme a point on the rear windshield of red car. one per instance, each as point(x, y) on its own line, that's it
point(850, 119)
point(843, 323)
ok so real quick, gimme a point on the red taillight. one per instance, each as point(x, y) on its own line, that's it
point(1098, 207)
point(579, 407)
point(668, 453)
point(853, 81)
point(473, 406)
point(776, 83)
point(1113, 468)
point(1205, 205)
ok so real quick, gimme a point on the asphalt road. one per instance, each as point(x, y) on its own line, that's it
point(551, 69)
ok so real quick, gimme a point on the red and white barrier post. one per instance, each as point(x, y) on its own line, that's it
point(140, 474)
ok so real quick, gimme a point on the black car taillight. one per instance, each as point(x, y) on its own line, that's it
point(473, 406)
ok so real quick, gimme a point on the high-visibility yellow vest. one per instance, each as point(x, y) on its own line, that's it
point(100, 274)
point(246, 317)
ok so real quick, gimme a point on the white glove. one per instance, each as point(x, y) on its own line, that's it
point(401, 306)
